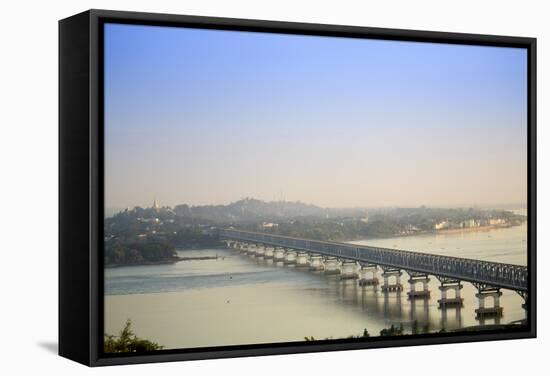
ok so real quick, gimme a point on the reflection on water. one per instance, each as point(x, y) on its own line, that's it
point(239, 299)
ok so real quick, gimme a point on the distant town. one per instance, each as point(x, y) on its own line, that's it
point(152, 235)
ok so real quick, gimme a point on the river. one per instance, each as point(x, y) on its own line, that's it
point(238, 299)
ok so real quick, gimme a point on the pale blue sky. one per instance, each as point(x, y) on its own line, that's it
point(204, 116)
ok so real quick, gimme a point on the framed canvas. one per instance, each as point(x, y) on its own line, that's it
point(234, 187)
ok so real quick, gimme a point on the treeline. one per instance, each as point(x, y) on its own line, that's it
point(386, 223)
point(127, 342)
point(193, 238)
point(392, 331)
point(138, 252)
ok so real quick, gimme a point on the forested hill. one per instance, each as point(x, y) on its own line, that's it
point(249, 209)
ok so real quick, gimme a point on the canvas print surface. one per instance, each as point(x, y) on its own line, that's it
point(268, 188)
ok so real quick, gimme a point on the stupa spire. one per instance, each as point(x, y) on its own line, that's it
point(156, 205)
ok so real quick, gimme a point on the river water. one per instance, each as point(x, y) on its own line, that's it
point(238, 299)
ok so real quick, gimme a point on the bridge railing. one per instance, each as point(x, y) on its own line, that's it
point(496, 274)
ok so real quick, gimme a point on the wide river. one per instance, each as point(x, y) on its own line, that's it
point(239, 299)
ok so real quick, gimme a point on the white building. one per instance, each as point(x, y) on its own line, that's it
point(441, 225)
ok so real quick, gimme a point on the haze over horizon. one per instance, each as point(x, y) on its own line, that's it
point(113, 210)
point(209, 117)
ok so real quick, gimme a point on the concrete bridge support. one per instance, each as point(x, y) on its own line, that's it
point(302, 260)
point(251, 250)
point(391, 272)
point(316, 263)
point(453, 322)
point(243, 248)
point(525, 304)
point(486, 291)
point(268, 253)
point(260, 251)
point(332, 265)
point(290, 257)
point(446, 285)
point(279, 254)
point(420, 311)
point(418, 278)
point(349, 270)
point(240, 247)
point(368, 275)
point(525, 297)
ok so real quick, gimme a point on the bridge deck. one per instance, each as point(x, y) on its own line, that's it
point(514, 277)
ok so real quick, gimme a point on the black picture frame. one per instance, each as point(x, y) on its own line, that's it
point(81, 185)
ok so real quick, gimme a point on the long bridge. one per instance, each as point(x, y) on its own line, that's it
point(345, 259)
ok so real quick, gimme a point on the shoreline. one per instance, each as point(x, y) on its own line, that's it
point(473, 229)
point(437, 232)
point(165, 262)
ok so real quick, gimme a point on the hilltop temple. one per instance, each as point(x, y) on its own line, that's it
point(156, 205)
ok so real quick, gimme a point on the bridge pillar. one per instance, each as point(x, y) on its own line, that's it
point(418, 278)
point(332, 266)
point(486, 291)
point(252, 249)
point(366, 279)
point(279, 254)
point(389, 272)
point(525, 297)
point(268, 252)
point(260, 251)
point(349, 270)
point(242, 248)
point(290, 257)
point(455, 322)
point(420, 312)
point(446, 285)
point(302, 259)
point(316, 263)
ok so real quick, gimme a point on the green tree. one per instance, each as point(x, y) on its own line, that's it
point(128, 342)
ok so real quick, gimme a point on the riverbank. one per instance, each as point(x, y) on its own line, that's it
point(435, 232)
point(520, 324)
point(200, 258)
point(166, 261)
point(473, 229)
point(144, 263)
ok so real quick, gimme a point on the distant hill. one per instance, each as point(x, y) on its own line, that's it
point(253, 210)
point(246, 210)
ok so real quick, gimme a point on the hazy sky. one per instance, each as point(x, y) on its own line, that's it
point(208, 117)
